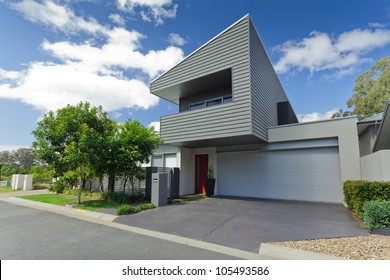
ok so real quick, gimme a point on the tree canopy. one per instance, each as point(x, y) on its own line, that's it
point(341, 114)
point(73, 139)
point(136, 145)
point(371, 90)
point(81, 141)
point(18, 161)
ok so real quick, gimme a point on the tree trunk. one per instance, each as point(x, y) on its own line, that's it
point(111, 182)
point(124, 184)
point(101, 184)
point(81, 184)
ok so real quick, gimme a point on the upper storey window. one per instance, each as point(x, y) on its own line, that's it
point(206, 91)
point(212, 102)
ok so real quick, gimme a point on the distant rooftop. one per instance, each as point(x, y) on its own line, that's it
point(373, 118)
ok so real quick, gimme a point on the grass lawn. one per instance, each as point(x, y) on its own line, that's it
point(89, 202)
point(93, 205)
point(5, 189)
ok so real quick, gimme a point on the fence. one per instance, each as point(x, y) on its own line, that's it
point(6, 183)
point(145, 186)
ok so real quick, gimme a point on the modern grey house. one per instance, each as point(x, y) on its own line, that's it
point(235, 117)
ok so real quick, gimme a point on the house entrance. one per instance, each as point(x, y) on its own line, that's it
point(201, 168)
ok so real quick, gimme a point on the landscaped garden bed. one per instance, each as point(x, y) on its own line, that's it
point(369, 203)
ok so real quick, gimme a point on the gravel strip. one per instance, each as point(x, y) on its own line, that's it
point(372, 247)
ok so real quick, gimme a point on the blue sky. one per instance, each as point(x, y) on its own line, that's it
point(106, 52)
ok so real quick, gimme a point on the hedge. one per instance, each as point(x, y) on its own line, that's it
point(376, 214)
point(358, 192)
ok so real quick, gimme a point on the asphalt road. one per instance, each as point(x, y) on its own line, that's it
point(27, 233)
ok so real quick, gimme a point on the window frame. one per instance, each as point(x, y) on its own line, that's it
point(203, 104)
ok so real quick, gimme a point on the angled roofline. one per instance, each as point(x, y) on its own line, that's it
point(386, 113)
point(201, 47)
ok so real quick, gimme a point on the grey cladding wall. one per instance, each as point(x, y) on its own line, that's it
point(255, 87)
point(229, 50)
point(265, 87)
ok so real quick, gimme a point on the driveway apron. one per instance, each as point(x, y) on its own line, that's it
point(246, 223)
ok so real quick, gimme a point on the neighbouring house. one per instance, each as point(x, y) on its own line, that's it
point(374, 140)
point(235, 117)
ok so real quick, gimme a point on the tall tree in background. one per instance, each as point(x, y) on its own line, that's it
point(341, 114)
point(18, 161)
point(371, 90)
point(73, 138)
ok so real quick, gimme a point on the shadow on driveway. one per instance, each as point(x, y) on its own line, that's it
point(246, 223)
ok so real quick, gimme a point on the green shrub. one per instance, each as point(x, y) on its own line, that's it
point(58, 186)
point(184, 199)
point(358, 192)
point(123, 198)
point(127, 209)
point(146, 206)
point(376, 214)
point(176, 201)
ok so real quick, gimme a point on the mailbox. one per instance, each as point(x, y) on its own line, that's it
point(159, 189)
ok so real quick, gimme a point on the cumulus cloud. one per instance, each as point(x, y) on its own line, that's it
point(86, 71)
point(176, 39)
point(9, 75)
point(377, 25)
point(150, 10)
point(156, 126)
point(316, 116)
point(320, 51)
point(57, 16)
point(116, 18)
point(49, 86)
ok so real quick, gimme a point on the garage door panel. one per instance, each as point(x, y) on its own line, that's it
point(312, 174)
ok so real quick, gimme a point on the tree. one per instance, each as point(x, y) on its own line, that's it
point(25, 157)
point(341, 114)
point(7, 158)
point(371, 90)
point(19, 161)
point(136, 144)
point(73, 138)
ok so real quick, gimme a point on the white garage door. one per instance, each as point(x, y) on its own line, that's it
point(307, 174)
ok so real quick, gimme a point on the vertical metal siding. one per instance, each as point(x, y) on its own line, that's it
point(266, 90)
point(229, 50)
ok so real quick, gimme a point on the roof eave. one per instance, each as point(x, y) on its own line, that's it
point(201, 47)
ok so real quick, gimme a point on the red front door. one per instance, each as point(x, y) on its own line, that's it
point(201, 168)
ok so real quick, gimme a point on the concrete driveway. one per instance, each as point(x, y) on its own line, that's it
point(245, 224)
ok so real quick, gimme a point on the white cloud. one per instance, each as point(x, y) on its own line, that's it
point(156, 126)
point(114, 54)
point(321, 52)
point(49, 86)
point(9, 75)
point(377, 25)
point(10, 148)
point(116, 18)
point(150, 10)
point(88, 71)
point(176, 39)
point(56, 16)
point(316, 116)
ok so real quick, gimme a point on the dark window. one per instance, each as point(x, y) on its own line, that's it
point(214, 102)
point(197, 106)
point(227, 99)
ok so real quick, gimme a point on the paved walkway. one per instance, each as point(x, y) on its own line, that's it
point(266, 252)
